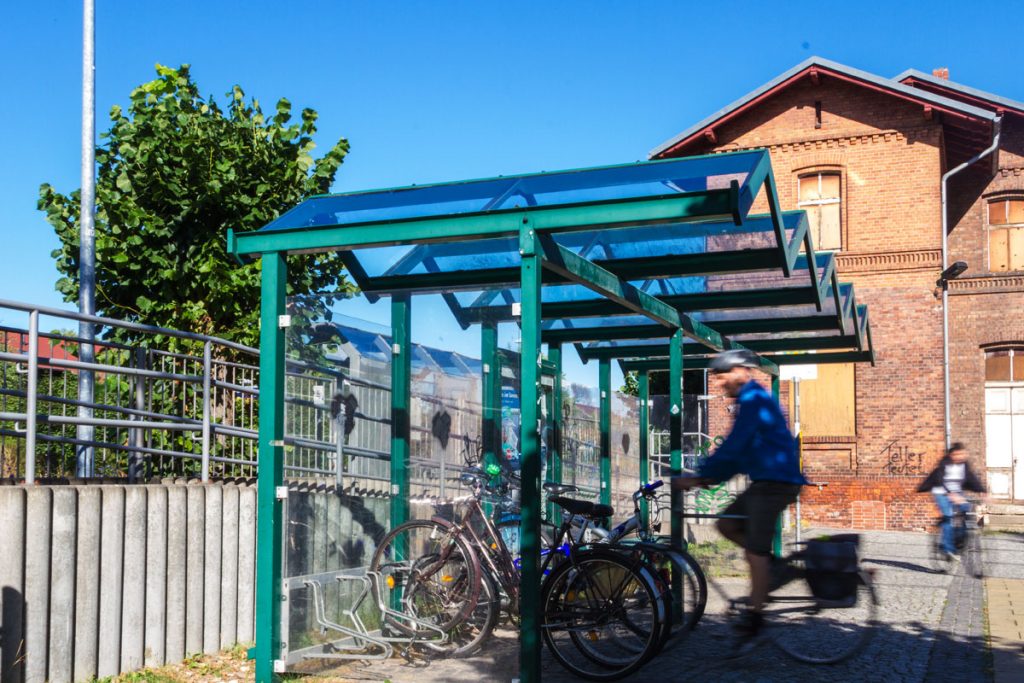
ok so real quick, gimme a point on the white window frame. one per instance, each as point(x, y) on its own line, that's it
point(804, 203)
point(1001, 226)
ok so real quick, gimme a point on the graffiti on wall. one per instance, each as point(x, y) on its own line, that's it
point(900, 460)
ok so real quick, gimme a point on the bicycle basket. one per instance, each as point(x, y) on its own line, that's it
point(832, 566)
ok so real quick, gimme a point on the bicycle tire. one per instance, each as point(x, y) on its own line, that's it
point(822, 632)
point(694, 586)
point(469, 635)
point(601, 615)
point(418, 582)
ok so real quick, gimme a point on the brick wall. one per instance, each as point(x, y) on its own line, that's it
point(891, 160)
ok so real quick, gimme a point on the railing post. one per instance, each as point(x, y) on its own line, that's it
point(32, 392)
point(207, 401)
point(135, 457)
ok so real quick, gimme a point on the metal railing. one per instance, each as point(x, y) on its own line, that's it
point(177, 404)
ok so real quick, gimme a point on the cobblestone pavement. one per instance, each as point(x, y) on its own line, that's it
point(914, 609)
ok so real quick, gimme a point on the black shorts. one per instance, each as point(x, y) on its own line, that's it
point(762, 503)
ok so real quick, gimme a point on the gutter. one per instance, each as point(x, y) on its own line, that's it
point(996, 130)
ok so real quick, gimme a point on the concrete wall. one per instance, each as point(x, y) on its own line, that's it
point(99, 580)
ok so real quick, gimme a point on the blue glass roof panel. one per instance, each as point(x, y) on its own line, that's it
point(638, 180)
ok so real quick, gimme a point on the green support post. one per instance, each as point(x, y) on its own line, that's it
point(490, 392)
point(777, 541)
point(401, 373)
point(605, 387)
point(270, 475)
point(644, 390)
point(555, 447)
point(675, 432)
point(530, 396)
point(675, 436)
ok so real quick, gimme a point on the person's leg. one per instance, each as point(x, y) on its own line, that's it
point(760, 572)
point(946, 510)
point(735, 529)
point(764, 508)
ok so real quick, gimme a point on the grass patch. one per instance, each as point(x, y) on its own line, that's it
point(719, 558)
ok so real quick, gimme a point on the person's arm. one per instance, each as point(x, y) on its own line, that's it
point(727, 460)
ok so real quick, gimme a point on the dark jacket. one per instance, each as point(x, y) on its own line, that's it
point(971, 480)
point(759, 444)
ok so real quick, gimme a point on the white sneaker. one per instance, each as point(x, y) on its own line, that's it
point(952, 557)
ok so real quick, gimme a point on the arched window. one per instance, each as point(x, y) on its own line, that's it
point(819, 195)
point(1006, 234)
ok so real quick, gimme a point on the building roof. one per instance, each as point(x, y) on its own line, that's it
point(814, 67)
point(983, 99)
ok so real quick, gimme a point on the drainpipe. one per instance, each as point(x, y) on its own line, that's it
point(996, 128)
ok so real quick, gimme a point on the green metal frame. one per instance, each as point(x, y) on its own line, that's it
point(543, 261)
point(605, 423)
point(270, 476)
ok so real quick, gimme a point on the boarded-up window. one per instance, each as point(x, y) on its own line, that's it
point(828, 403)
point(1006, 234)
point(819, 195)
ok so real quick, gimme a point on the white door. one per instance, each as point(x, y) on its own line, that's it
point(1004, 440)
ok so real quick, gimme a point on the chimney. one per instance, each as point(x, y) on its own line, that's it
point(942, 72)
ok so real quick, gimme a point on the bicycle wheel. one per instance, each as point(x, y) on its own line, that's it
point(602, 617)
point(819, 631)
point(468, 635)
point(681, 573)
point(430, 573)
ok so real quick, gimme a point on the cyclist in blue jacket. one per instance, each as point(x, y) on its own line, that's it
point(761, 446)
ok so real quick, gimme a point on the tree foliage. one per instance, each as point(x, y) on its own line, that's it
point(174, 173)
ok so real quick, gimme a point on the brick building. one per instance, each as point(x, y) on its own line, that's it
point(865, 156)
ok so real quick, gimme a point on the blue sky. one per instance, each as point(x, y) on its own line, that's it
point(435, 91)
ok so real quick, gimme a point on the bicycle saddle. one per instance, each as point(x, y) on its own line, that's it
point(558, 489)
point(584, 508)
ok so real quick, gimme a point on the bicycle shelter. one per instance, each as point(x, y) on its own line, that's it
point(657, 265)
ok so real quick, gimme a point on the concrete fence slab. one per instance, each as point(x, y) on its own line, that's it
point(62, 586)
point(87, 581)
point(133, 606)
point(155, 643)
point(194, 582)
point(12, 582)
point(246, 563)
point(111, 575)
point(37, 583)
point(229, 568)
point(177, 544)
point(212, 571)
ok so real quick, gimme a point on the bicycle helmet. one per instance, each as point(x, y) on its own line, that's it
point(727, 360)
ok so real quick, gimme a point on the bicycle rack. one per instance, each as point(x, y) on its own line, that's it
point(357, 641)
point(362, 640)
point(377, 583)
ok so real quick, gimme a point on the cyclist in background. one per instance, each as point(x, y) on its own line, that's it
point(947, 483)
point(761, 446)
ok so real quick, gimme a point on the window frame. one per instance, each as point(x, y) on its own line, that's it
point(801, 174)
point(1008, 227)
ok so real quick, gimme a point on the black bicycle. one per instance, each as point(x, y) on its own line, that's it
point(822, 605)
point(966, 540)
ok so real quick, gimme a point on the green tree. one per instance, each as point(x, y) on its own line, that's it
point(175, 172)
